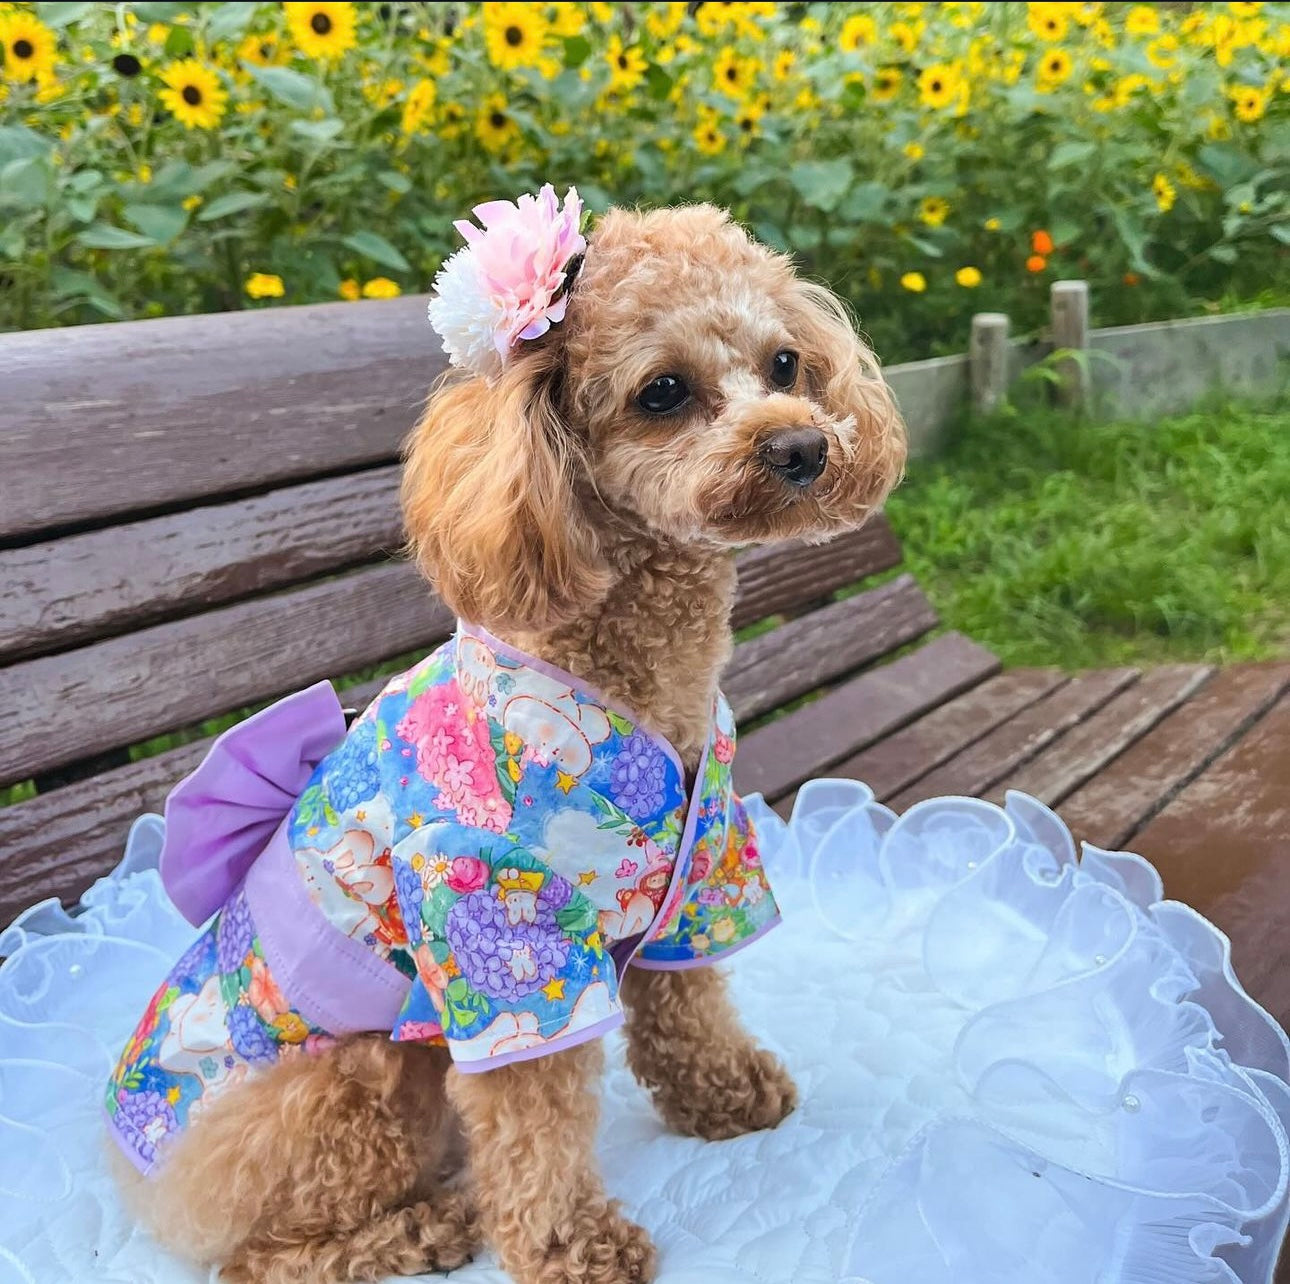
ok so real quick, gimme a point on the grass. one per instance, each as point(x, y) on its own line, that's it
point(1059, 542)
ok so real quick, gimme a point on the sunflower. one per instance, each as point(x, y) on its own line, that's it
point(1245, 10)
point(1162, 52)
point(514, 34)
point(938, 85)
point(261, 49)
point(886, 84)
point(933, 210)
point(28, 46)
point(858, 32)
point(748, 118)
point(734, 75)
point(417, 107)
point(914, 282)
point(493, 127)
point(321, 28)
point(968, 277)
point(708, 137)
point(1249, 104)
point(193, 94)
point(381, 287)
point(1142, 20)
point(914, 151)
point(782, 67)
point(264, 285)
point(662, 21)
point(1054, 67)
point(1047, 21)
point(1164, 192)
point(907, 35)
point(452, 120)
point(626, 65)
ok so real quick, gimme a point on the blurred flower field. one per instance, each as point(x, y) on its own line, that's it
point(928, 160)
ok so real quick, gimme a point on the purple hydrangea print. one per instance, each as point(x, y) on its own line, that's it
point(145, 1119)
point(235, 934)
point(502, 959)
point(353, 775)
point(637, 775)
point(410, 893)
point(251, 1041)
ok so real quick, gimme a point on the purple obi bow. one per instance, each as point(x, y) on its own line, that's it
point(219, 819)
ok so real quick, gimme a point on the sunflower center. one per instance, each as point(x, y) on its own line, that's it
point(266, 49)
point(126, 64)
point(622, 62)
point(192, 95)
point(732, 73)
point(746, 124)
point(321, 23)
point(514, 37)
point(23, 48)
point(937, 86)
point(497, 120)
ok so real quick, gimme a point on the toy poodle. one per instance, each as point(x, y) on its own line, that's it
point(530, 837)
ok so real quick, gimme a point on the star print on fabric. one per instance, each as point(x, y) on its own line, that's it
point(586, 878)
point(416, 820)
point(554, 988)
point(564, 782)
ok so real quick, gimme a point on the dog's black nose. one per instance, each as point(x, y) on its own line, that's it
point(796, 455)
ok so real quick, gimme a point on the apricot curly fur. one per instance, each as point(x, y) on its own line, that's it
point(551, 509)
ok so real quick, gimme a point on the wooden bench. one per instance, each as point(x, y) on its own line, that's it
point(198, 515)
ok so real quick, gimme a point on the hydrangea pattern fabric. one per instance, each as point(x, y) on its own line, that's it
point(490, 844)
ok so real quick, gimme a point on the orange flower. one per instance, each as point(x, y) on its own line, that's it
point(1041, 243)
point(1131, 278)
point(1036, 262)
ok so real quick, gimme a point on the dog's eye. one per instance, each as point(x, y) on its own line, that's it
point(783, 369)
point(663, 395)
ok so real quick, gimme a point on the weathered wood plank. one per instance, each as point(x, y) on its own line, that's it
point(83, 587)
point(1220, 846)
point(973, 770)
point(1141, 781)
point(898, 760)
point(778, 757)
point(1079, 754)
point(103, 420)
point(783, 577)
point(59, 708)
point(805, 653)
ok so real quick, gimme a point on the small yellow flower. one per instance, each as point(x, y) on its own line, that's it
point(1054, 68)
point(144, 173)
point(933, 210)
point(289, 182)
point(1249, 103)
point(418, 107)
point(261, 49)
point(627, 65)
point(514, 34)
point(381, 287)
point(938, 85)
point(193, 94)
point(914, 151)
point(747, 119)
point(914, 282)
point(858, 32)
point(1047, 21)
point(190, 203)
point(1164, 192)
point(886, 84)
point(29, 46)
point(907, 35)
point(992, 225)
point(782, 67)
point(1142, 20)
point(322, 29)
point(264, 285)
point(1244, 10)
point(734, 75)
point(157, 33)
point(708, 138)
point(1163, 51)
point(662, 22)
point(349, 289)
point(493, 127)
point(968, 277)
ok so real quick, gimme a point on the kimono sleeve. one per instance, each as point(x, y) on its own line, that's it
point(510, 962)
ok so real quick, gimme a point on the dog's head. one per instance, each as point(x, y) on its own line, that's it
point(696, 391)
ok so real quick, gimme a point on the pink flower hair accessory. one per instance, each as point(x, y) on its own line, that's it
point(507, 284)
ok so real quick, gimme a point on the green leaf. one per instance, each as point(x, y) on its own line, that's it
point(1227, 164)
point(231, 203)
point(376, 247)
point(1223, 253)
point(63, 15)
point(82, 208)
point(292, 88)
point(318, 131)
point(157, 12)
point(864, 203)
point(1064, 231)
point(658, 83)
point(1281, 232)
point(773, 235)
point(230, 20)
point(395, 181)
point(1073, 151)
point(17, 142)
point(578, 916)
point(103, 236)
point(80, 285)
point(203, 176)
point(576, 51)
point(179, 42)
point(620, 724)
point(161, 222)
point(85, 180)
point(24, 184)
point(822, 184)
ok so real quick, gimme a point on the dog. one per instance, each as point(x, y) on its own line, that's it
point(690, 394)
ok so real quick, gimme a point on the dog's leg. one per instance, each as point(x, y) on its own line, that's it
point(530, 1136)
point(320, 1168)
point(686, 1045)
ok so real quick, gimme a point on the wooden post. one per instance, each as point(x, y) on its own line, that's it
point(988, 360)
point(1069, 301)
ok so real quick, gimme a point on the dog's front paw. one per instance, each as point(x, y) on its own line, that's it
point(720, 1099)
point(598, 1246)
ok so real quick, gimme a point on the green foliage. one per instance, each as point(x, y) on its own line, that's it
point(1079, 544)
point(888, 146)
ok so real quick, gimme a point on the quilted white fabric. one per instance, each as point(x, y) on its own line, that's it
point(1014, 1067)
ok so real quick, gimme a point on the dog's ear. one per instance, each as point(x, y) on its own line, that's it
point(489, 503)
point(844, 376)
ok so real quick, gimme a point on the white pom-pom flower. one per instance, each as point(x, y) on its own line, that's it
point(507, 284)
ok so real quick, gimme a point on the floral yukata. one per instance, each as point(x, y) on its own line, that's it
point(473, 863)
